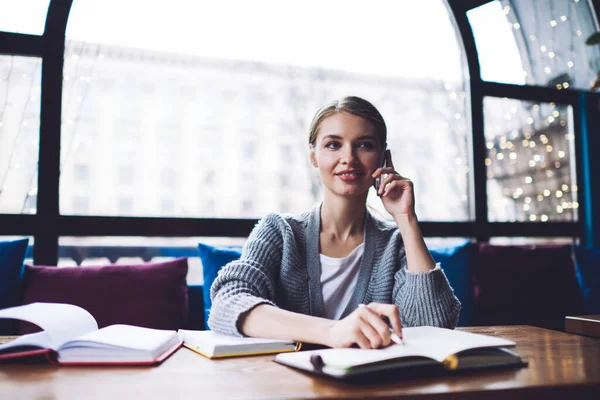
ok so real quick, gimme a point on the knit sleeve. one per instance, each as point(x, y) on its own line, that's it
point(243, 284)
point(425, 298)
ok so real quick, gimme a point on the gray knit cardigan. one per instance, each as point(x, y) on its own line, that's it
point(280, 265)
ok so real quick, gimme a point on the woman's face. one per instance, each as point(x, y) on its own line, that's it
point(347, 151)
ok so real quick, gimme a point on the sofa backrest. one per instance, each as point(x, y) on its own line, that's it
point(532, 285)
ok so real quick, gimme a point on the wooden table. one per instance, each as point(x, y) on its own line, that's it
point(561, 366)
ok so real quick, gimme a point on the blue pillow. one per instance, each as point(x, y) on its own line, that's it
point(12, 254)
point(213, 259)
point(587, 264)
point(456, 263)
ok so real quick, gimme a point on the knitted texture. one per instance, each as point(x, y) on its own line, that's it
point(280, 266)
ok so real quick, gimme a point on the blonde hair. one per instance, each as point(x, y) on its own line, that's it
point(352, 105)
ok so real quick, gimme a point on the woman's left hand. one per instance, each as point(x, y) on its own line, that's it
point(395, 190)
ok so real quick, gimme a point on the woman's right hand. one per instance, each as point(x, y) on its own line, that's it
point(366, 327)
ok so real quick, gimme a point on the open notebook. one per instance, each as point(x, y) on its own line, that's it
point(71, 336)
point(423, 348)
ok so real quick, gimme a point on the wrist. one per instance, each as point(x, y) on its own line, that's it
point(324, 334)
point(405, 219)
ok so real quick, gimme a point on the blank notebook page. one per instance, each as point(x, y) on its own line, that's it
point(126, 336)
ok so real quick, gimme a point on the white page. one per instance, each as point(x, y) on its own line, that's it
point(431, 342)
point(212, 338)
point(60, 321)
point(439, 343)
point(39, 339)
point(124, 336)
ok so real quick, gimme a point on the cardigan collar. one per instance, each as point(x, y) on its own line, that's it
point(315, 289)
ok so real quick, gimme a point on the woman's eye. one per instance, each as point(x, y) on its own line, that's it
point(332, 145)
point(366, 145)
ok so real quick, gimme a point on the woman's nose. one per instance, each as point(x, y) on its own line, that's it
point(348, 155)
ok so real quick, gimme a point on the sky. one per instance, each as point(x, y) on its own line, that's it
point(399, 38)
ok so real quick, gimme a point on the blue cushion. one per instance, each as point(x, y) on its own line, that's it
point(457, 265)
point(213, 259)
point(587, 264)
point(12, 254)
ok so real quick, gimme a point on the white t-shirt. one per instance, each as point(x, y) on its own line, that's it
point(338, 280)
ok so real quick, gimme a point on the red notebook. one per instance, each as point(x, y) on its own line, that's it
point(71, 336)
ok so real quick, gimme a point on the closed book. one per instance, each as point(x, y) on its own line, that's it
point(214, 345)
point(588, 325)
point(423, 349)
point(70, 336)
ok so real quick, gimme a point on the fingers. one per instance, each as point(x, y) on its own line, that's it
point(397, 182)
point(361, 339)
point(374, 328)
point(383, 170)
point(392, 180)
point(392, 313)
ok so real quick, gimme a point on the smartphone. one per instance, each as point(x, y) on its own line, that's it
point(382, 164)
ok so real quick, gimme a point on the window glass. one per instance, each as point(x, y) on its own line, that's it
point(526, 241)
point(530, 161)
point(211, 93)
point(20, 16)
point(20, 81)
point(539, 42)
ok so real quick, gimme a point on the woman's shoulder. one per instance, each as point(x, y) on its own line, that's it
point(299, 220)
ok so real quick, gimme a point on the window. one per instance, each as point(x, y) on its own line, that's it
point(81, 174)
point(20, 79)
point(530, 163)
point(208, 207)
point(167, 207)
point(247, 207)
point(80, 205)
point(125, 175)
point(538, 42)
point(248, 151)
point(168, 178)
point(239, 90)
point(23, 16)
point(208, 177)
point(125, 206)
point(284, 181)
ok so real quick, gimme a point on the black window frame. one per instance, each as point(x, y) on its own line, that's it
point(47, 225)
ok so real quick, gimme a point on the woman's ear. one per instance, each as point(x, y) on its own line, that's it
point(313, 156)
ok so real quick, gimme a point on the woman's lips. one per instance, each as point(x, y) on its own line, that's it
point(350, 176)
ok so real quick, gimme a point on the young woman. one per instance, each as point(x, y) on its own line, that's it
point(337, 275)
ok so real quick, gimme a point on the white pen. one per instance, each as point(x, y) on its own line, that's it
point(395, 338)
